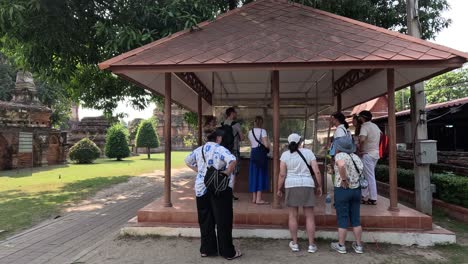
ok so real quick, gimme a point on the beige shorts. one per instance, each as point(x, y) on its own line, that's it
point(300, 197)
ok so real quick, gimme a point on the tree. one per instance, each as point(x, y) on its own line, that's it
point(147, 137)
point(7, 75)
point(63, 40)
point(84, 151)
point(446, 87)
point(117, 142)
point(133, 128)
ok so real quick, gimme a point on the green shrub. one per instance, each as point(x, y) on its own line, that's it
point(405, 177)
point(84, 152)
point(450, 188)
point(117, 142)
point(146, 136)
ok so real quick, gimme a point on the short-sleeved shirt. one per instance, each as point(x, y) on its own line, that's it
point(371, 144)
point(351, 172)
point(298, 174)
point(216, 156)
point(259, 133)
point(236, 130)
point(340, 131)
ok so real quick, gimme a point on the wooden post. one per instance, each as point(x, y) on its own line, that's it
point(167, 140)
point(338, 102)
point(200, 116)
point(276, 141)
point(392, 159)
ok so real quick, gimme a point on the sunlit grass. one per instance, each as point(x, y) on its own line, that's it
point(31, 195)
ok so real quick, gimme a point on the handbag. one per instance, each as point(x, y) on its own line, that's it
point(215, 180)
point(314, 178)
point(260, 159)
point(363, 182)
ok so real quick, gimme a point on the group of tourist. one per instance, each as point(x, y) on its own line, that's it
point(217, 165)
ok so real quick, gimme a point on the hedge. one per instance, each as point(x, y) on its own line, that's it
point(450, 188)
point(84, 151)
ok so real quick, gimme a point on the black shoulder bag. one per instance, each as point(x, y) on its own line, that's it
point(215, 180)
point(314, 178)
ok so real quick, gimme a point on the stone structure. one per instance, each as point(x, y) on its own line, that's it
point(94, 128)
point(179, 130)
point(27, 138)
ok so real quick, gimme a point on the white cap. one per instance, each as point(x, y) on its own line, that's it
point(294, 137)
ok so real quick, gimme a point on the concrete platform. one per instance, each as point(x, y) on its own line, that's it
point(248, 214)
point(406, 227)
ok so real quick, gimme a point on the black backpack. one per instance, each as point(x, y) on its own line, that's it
point(229, 137)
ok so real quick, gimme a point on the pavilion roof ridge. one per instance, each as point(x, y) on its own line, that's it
point(382, 30)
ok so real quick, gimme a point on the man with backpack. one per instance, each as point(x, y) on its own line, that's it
point(369, 140)
point(231, 140)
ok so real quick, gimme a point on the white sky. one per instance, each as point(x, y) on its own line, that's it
point(456, 36)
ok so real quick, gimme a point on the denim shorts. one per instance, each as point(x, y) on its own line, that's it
point(348, 206)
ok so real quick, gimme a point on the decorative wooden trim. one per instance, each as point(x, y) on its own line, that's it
point(352, 78)
point(192, 81)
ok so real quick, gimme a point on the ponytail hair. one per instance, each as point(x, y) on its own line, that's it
point(341, 118)
point(293, 147)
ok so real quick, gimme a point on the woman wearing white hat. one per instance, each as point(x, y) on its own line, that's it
point(300, 174)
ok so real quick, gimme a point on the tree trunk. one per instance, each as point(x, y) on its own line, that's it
point(148, 152)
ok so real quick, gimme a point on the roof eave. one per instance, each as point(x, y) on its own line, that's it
point(454, 62)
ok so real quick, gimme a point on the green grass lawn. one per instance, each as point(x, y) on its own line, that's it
point(30, 195)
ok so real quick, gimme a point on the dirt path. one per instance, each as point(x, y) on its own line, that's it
point(258, 251)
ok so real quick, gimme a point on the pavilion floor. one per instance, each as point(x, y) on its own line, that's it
point(249, 215)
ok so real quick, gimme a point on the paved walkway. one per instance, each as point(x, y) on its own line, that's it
point(85, 228)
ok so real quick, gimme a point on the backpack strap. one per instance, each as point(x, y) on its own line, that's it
point(203, 153)
point(314, 178)
point(256, 139)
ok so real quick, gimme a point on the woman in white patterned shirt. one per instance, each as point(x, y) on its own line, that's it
point(348, 169)
point(214, 210)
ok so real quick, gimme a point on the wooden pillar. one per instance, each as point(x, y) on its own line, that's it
point(200, 116)
point(167, 140)
point(338, 102)
point(276, 141)
point(392, 159)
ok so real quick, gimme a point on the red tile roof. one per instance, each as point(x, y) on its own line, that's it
point(276, 31)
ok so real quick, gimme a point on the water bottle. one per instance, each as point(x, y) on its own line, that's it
point(328, 204)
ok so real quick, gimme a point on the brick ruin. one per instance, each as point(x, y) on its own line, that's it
point(94, 128)
point(27, 138)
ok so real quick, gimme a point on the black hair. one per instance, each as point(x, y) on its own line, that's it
point(341, 118)
point(293, 146)
point(229, 111)
point(212, 135)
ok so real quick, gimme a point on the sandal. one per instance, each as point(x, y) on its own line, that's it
point(238, 255)
point(372, 202)
point(262, 203)
point(364, 201)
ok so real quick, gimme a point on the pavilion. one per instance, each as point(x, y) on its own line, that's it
point(286, 60)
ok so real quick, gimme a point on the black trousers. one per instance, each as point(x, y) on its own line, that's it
point(216, 212)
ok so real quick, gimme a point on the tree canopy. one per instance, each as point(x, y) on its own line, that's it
point(446, 87)
point(63, 40)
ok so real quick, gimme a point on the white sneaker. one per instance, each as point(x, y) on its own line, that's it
point(312, 249)
point(358, 248)
point(337, 247)
point(293, 247)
